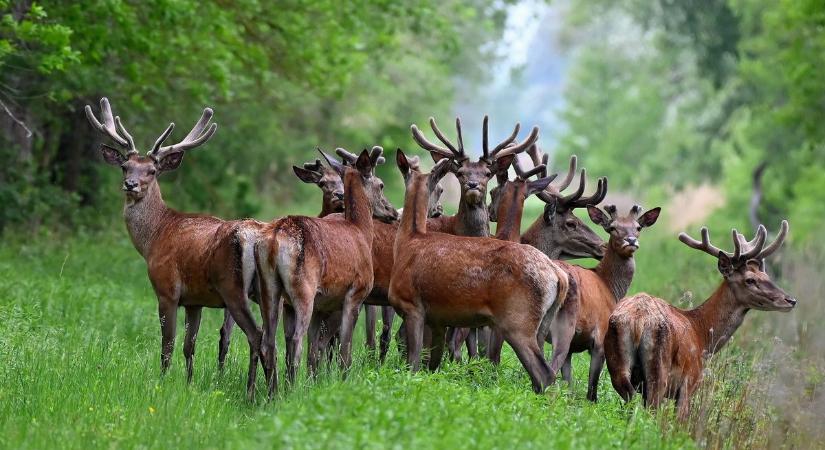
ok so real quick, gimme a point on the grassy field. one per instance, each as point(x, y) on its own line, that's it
point(79, 345)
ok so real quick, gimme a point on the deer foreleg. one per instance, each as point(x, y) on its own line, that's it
point(193, 323)
point(168, 315)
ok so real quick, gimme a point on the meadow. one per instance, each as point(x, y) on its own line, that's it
point(80, 352)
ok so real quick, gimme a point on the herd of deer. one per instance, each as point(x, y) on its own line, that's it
point(444, 275)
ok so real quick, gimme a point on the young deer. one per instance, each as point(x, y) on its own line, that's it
point(444, 280)
point(332, 189)
point(325, 264)
point(659, 349)
point(472, 218)
point(193, 260)
point(599, 289)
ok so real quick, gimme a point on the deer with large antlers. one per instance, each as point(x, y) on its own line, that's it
point(472, 218)
point(599, 290)
point(442, 280)
point(194, 261)
point(324, 265)
point(660, 350)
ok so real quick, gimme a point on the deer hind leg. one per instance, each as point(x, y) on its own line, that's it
point(655, 367)
point(531, 357)
point(436, 346)
point(371, 313)
point(596, 365)
point(352, 303)
point(168, 316)
point(483, 338)
point(268, 290)
point(620, 354)
point(413, 333)
point(302, 296)
point(318, 337)
point(289, 329)
point(494, 345)
point(387, 316)
point(472, 343)
point(567, 369)
point(193, 323)
point(226, 337)
point(239, 308)
point(562, 330)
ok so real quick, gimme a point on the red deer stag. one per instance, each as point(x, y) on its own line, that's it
point(660, 350)
point(332, 201)
point(599, 289)
point(442, 280)
point(194, 260)
point(472, 218)
point(324, 265)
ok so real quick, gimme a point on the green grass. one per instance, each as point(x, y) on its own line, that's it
point(79, 345)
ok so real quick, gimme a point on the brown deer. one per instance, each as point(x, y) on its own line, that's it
point(332, 189)
point(659, 350)
point(599, 289)
point(324, 264)
point(472, 218)
point(194, 260)
point(442, 280)
point(382, 258)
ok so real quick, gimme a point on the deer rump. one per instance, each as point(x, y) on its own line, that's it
point(469, 282)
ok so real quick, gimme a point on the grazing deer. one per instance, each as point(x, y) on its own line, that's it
point(472, 218)
point(332, 189)
point(599, 289)
point(194, 260)
point(442, 280)
point(660, 350)
point(324, 264)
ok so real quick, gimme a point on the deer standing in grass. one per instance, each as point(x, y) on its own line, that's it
point(472, 218)
point(599, 290)
point(442, 280)
point(332, 189)
point(193, 260)
point(659, 350)
point(324, 265)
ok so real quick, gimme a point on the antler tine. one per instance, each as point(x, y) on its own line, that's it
point(422, 142)
point(737, 246)
point(159, 141)
point(571, 172)
point(485, 142)
point(535, 154)
point(635, 211)
point(122, 130)
point(314, 166)
point(460, 139)
point(595, 199)
point(518, 148)
point(334, 163)
point(780, 238)
point(525, 175)
point(375, 155)
point(109, 126)
point(579, 191)
point(704, 246)
point(503, 144)
point(199, 134)
point(612, 211)
point(758, 244)
point(443, 139)
point(346, 156)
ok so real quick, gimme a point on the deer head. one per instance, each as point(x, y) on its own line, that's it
point(473, 175)
point(408, 165)
point(140, 172)
point(624, 230)
point(382, 209)
point(327, 179)
point(559, 233)
point(744, 268)
point(517, 190)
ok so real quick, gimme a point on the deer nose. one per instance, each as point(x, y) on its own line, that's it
point(632, 241)
point(472, 184)
point(338, 195)
point(130, 184)
point(791, 301)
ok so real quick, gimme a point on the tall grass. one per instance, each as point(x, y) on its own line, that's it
point(79, 343)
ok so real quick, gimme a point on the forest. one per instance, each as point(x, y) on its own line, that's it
point(712, 109)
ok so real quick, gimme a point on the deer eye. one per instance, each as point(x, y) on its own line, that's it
point(639, 228)
point(488, 174)
point(570, 224)
point(152, 171)
point(380, 185)
point(750, 281)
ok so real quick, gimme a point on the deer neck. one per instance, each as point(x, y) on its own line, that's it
point(616, 271)
point(534, 237)
point(509, 215)
point(356, 204)
point(717, 318)
point(472, 220)
point(145, 217)
point(414, 219)
point(327, 209)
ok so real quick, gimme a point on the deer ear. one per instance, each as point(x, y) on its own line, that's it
point(441, 168)
point(536, 186)
point(112, 155)
point(169, 162)
point(598, 216)
point(725, 265)
point(307, 176)
point(649, 218)
point(402, 163)
point(364, 164)
point(550, 211)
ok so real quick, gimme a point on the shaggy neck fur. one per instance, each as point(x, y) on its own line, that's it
point(717, 319)
point(617, 271)
point(144, 218)
point(472, 220)
point(356, 204)
point(509, 212)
